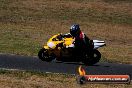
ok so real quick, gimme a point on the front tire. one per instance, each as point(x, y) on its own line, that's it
point(44, 56)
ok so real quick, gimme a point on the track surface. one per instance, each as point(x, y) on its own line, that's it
point(34, 64)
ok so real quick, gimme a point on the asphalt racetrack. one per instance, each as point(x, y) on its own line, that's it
point(34, 64)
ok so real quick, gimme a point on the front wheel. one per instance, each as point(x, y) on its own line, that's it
point(93, 59)
point(44, 56)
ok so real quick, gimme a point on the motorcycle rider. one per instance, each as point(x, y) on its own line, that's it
point(82, 42)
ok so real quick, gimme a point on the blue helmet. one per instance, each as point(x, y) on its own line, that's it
point(74, 30)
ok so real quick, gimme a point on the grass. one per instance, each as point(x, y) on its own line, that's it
point(26, 25)
point(27, 79)
point(27, 11)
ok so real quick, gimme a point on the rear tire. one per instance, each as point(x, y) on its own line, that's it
point(44, 56)
point(93, 59)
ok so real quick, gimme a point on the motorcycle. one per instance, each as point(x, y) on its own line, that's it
point(61, 48)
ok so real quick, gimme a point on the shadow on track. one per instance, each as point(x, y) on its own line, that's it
point(77, 63)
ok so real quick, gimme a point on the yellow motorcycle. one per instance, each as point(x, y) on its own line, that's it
point(61, 48)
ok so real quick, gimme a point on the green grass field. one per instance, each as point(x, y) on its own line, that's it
point(25, 25)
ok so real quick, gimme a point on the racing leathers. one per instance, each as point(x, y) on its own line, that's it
point(81, 42)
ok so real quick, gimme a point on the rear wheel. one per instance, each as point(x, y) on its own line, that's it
point(93, 59)
point(44, 56)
